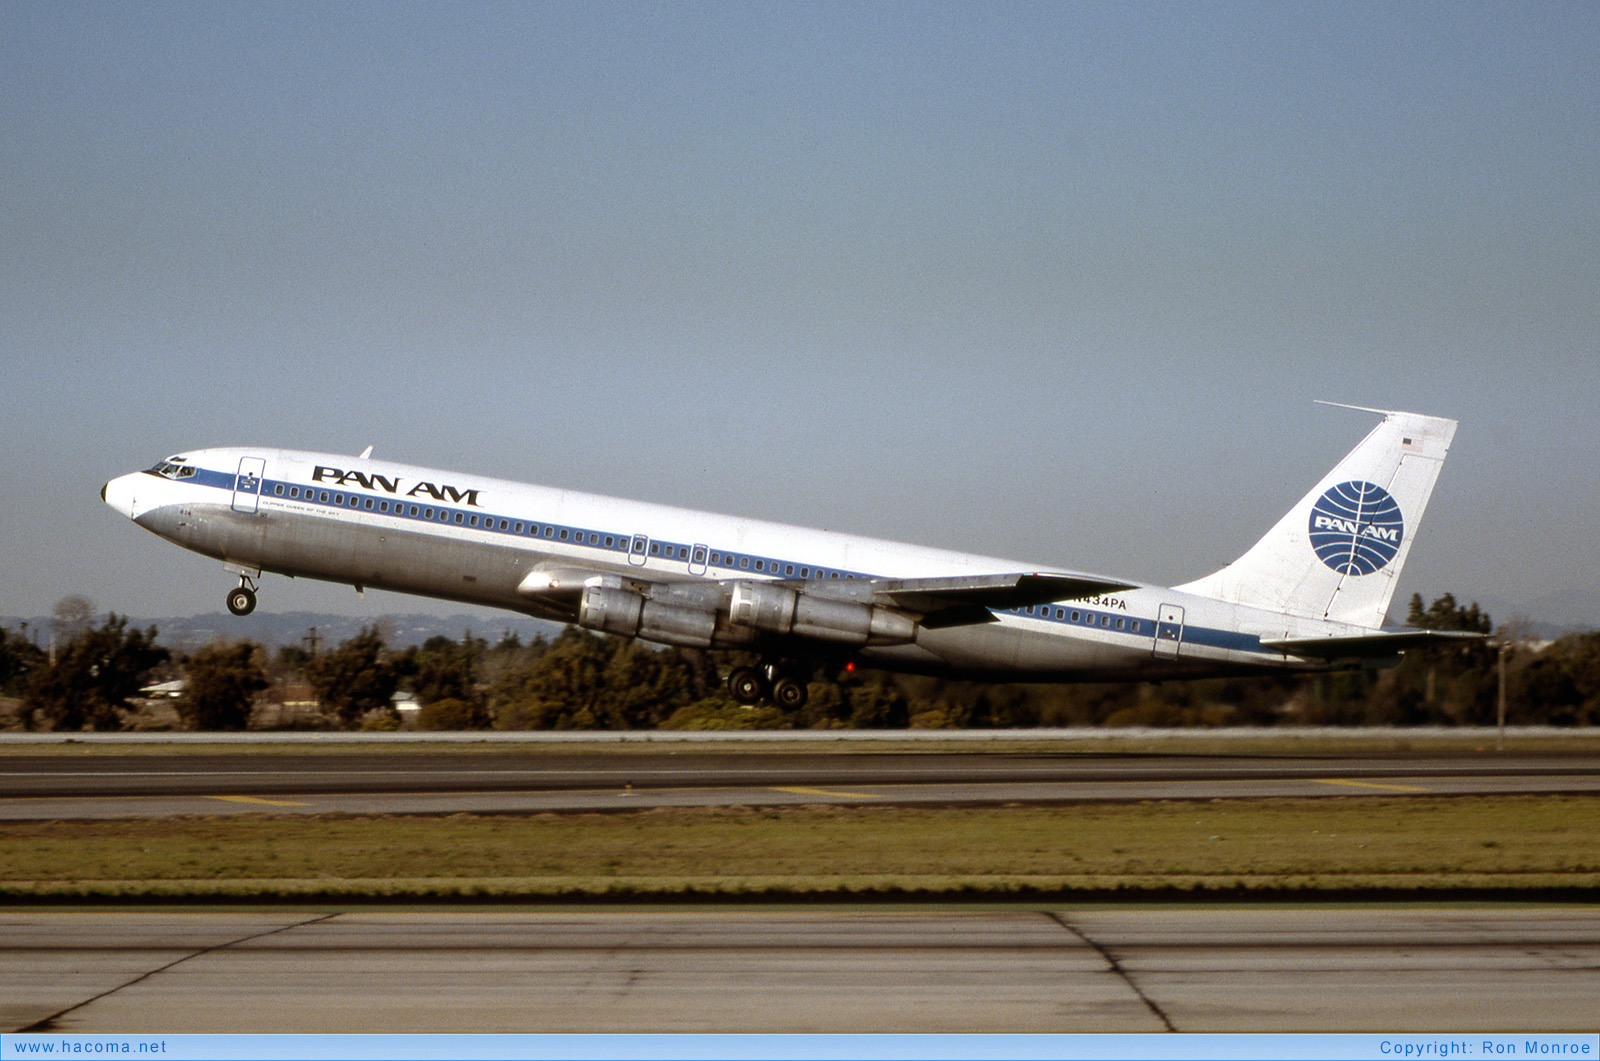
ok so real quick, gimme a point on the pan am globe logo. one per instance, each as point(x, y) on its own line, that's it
point(1356, 528)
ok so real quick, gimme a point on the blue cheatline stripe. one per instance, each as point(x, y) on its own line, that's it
point(727, 563)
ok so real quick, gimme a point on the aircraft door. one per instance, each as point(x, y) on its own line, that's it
point(697, 560)
point(638, 550)
point(247, 484)
point(1169, 631)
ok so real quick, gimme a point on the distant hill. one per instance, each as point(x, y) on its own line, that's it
point(1551, 616)
point(275, 629)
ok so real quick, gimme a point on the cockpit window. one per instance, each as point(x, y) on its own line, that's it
point(173, 469)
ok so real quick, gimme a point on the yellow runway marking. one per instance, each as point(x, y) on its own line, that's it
point(254, 799)
point(1366, 784)
point(824, 792)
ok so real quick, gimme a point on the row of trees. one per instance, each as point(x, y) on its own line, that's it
point(580, 680)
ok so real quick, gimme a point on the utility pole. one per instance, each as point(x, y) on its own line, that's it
point(1500, 709)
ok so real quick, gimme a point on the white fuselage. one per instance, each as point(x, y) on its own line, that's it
point(486, 541)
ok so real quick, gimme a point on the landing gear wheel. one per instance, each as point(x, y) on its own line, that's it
point(789, 694)
point(746, 685)
point(242, 601)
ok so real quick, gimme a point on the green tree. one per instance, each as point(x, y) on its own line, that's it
point(96, 674)
point(447, 672)
point(19, 657)
point(449, 714)
point(1560, 686)
point(221, 684)
point(355, 679)
point(878, 703)
point(563, 688)
point(583, 680)
point(1452, 683)
point(442, 669)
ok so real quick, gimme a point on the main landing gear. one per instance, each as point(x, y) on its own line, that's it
point(242, 601)
point(752, 685)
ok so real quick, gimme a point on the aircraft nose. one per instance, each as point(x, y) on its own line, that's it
point(118, 493)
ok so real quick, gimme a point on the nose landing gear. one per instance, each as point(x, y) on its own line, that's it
point(242, 600)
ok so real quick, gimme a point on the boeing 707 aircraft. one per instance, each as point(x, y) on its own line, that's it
point(1310, 595)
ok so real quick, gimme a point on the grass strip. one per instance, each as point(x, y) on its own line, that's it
point(1476, 844)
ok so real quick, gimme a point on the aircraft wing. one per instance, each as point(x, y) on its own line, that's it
point(1376, 643)
point(965, 599)
point(936, 602)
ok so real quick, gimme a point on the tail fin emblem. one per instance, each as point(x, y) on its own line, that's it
point(1356, 528)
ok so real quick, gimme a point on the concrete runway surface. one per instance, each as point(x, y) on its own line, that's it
point(1191, 969)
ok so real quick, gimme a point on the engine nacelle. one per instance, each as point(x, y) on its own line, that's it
point(779, 610)
point(763, 606)
point(619, 611)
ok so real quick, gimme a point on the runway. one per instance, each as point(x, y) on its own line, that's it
point(109, 785)
point(1194, 969)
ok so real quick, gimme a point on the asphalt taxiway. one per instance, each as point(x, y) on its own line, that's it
point(37, 786)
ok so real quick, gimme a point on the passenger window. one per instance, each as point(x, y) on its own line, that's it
point(744, 561)
point(369, 504)
point(1105, 620)
point(1122, 624)
point(1077, 616)
point(1136, 626)
point(563, 535)
point(458, 517)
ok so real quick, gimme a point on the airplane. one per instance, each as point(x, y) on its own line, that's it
point(1312, 594)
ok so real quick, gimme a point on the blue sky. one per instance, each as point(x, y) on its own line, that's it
point(1057, 282)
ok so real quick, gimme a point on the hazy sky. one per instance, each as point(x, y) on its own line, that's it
point(1057, 282)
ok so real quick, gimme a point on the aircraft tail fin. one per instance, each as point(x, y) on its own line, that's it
point(1338, 553)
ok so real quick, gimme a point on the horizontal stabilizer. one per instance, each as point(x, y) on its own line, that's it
point(965, 599)
point(1376, 643)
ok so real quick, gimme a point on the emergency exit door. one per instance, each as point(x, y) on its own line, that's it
point(1169, 631)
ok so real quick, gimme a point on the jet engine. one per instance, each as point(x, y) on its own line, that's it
point(779, 610)
point(620, 611)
